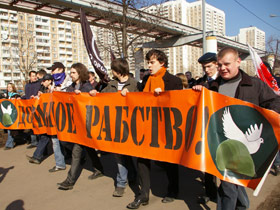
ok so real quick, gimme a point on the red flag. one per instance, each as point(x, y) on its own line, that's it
point(262, 71)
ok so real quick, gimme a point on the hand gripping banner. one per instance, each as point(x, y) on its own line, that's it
point(229, 138)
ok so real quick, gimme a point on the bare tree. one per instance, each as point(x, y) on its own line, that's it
point(131, 26)
point(273, 47)
point(27, 53)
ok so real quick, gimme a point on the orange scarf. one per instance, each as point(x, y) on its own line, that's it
point(155, 81)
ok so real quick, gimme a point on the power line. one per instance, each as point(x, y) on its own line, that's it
point(256, 15)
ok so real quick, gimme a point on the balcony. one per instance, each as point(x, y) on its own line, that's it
point(62, 52)
point(5, 25)
point(43, 44)
point(69, 58)
point(15, 26)
point(60, 25)
point(62, 45)
point(14, 18)
point(4, 17)
point(61, 38)
point(44, 58)
point(14, 41)
point(46, 65)
point(42, 30)
point(6, 55)
point(68, 39)
point(14, 33)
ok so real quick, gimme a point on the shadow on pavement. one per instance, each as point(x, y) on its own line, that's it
point(16, 205)
point(3, 172)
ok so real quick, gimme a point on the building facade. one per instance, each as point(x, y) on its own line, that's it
point(32, 42)
point(182, 59)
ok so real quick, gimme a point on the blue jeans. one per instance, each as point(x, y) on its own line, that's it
point(126, 170)
point(231, 197)
point(10, 140)
point(58, 156)
point(41, 147)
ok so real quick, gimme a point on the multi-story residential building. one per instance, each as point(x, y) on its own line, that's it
point(8, 47)
point(31, 42)
point(182, 59)
point(254, 37)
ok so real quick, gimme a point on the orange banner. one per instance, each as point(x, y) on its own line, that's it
point(229, 138)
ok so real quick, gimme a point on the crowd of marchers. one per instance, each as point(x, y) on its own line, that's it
point(222, 74)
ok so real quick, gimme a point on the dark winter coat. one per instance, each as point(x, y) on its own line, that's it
point(32, 88)
point(253, 90)
point(84, 87)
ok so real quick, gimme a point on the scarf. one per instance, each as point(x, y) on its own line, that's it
point(59, 78)
point(11, 94)
point(155, 81)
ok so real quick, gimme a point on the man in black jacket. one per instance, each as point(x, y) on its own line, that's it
point(235, 83)
point(159, 80)
point(79, 75)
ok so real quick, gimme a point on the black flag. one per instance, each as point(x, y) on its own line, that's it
point(92, 50)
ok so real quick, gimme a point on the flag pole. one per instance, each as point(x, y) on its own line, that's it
point(258, 188)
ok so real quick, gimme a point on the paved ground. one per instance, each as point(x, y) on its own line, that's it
point(24, 186)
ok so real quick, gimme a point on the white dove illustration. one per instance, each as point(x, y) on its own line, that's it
point(252, 137)
point(8, 110)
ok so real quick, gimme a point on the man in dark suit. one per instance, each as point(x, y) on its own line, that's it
point(159, 80)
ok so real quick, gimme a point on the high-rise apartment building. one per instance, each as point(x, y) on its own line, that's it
point(182, 59)
point(31, 42)
point(254, 37)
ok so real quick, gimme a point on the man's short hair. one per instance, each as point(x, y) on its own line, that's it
point(159, 55)
point(31, 72)
point(81, 70)
point(188, 72)
point(120, 66)
point(42, 72)
point(227, 50)
point(91, 73)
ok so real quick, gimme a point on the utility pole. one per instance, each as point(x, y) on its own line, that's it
point(204, 26)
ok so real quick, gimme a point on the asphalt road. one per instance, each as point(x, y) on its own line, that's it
point(25, 186)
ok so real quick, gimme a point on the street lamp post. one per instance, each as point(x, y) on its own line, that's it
point(203, 26)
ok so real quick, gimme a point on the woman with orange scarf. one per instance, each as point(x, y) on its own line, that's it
point(159, 80)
